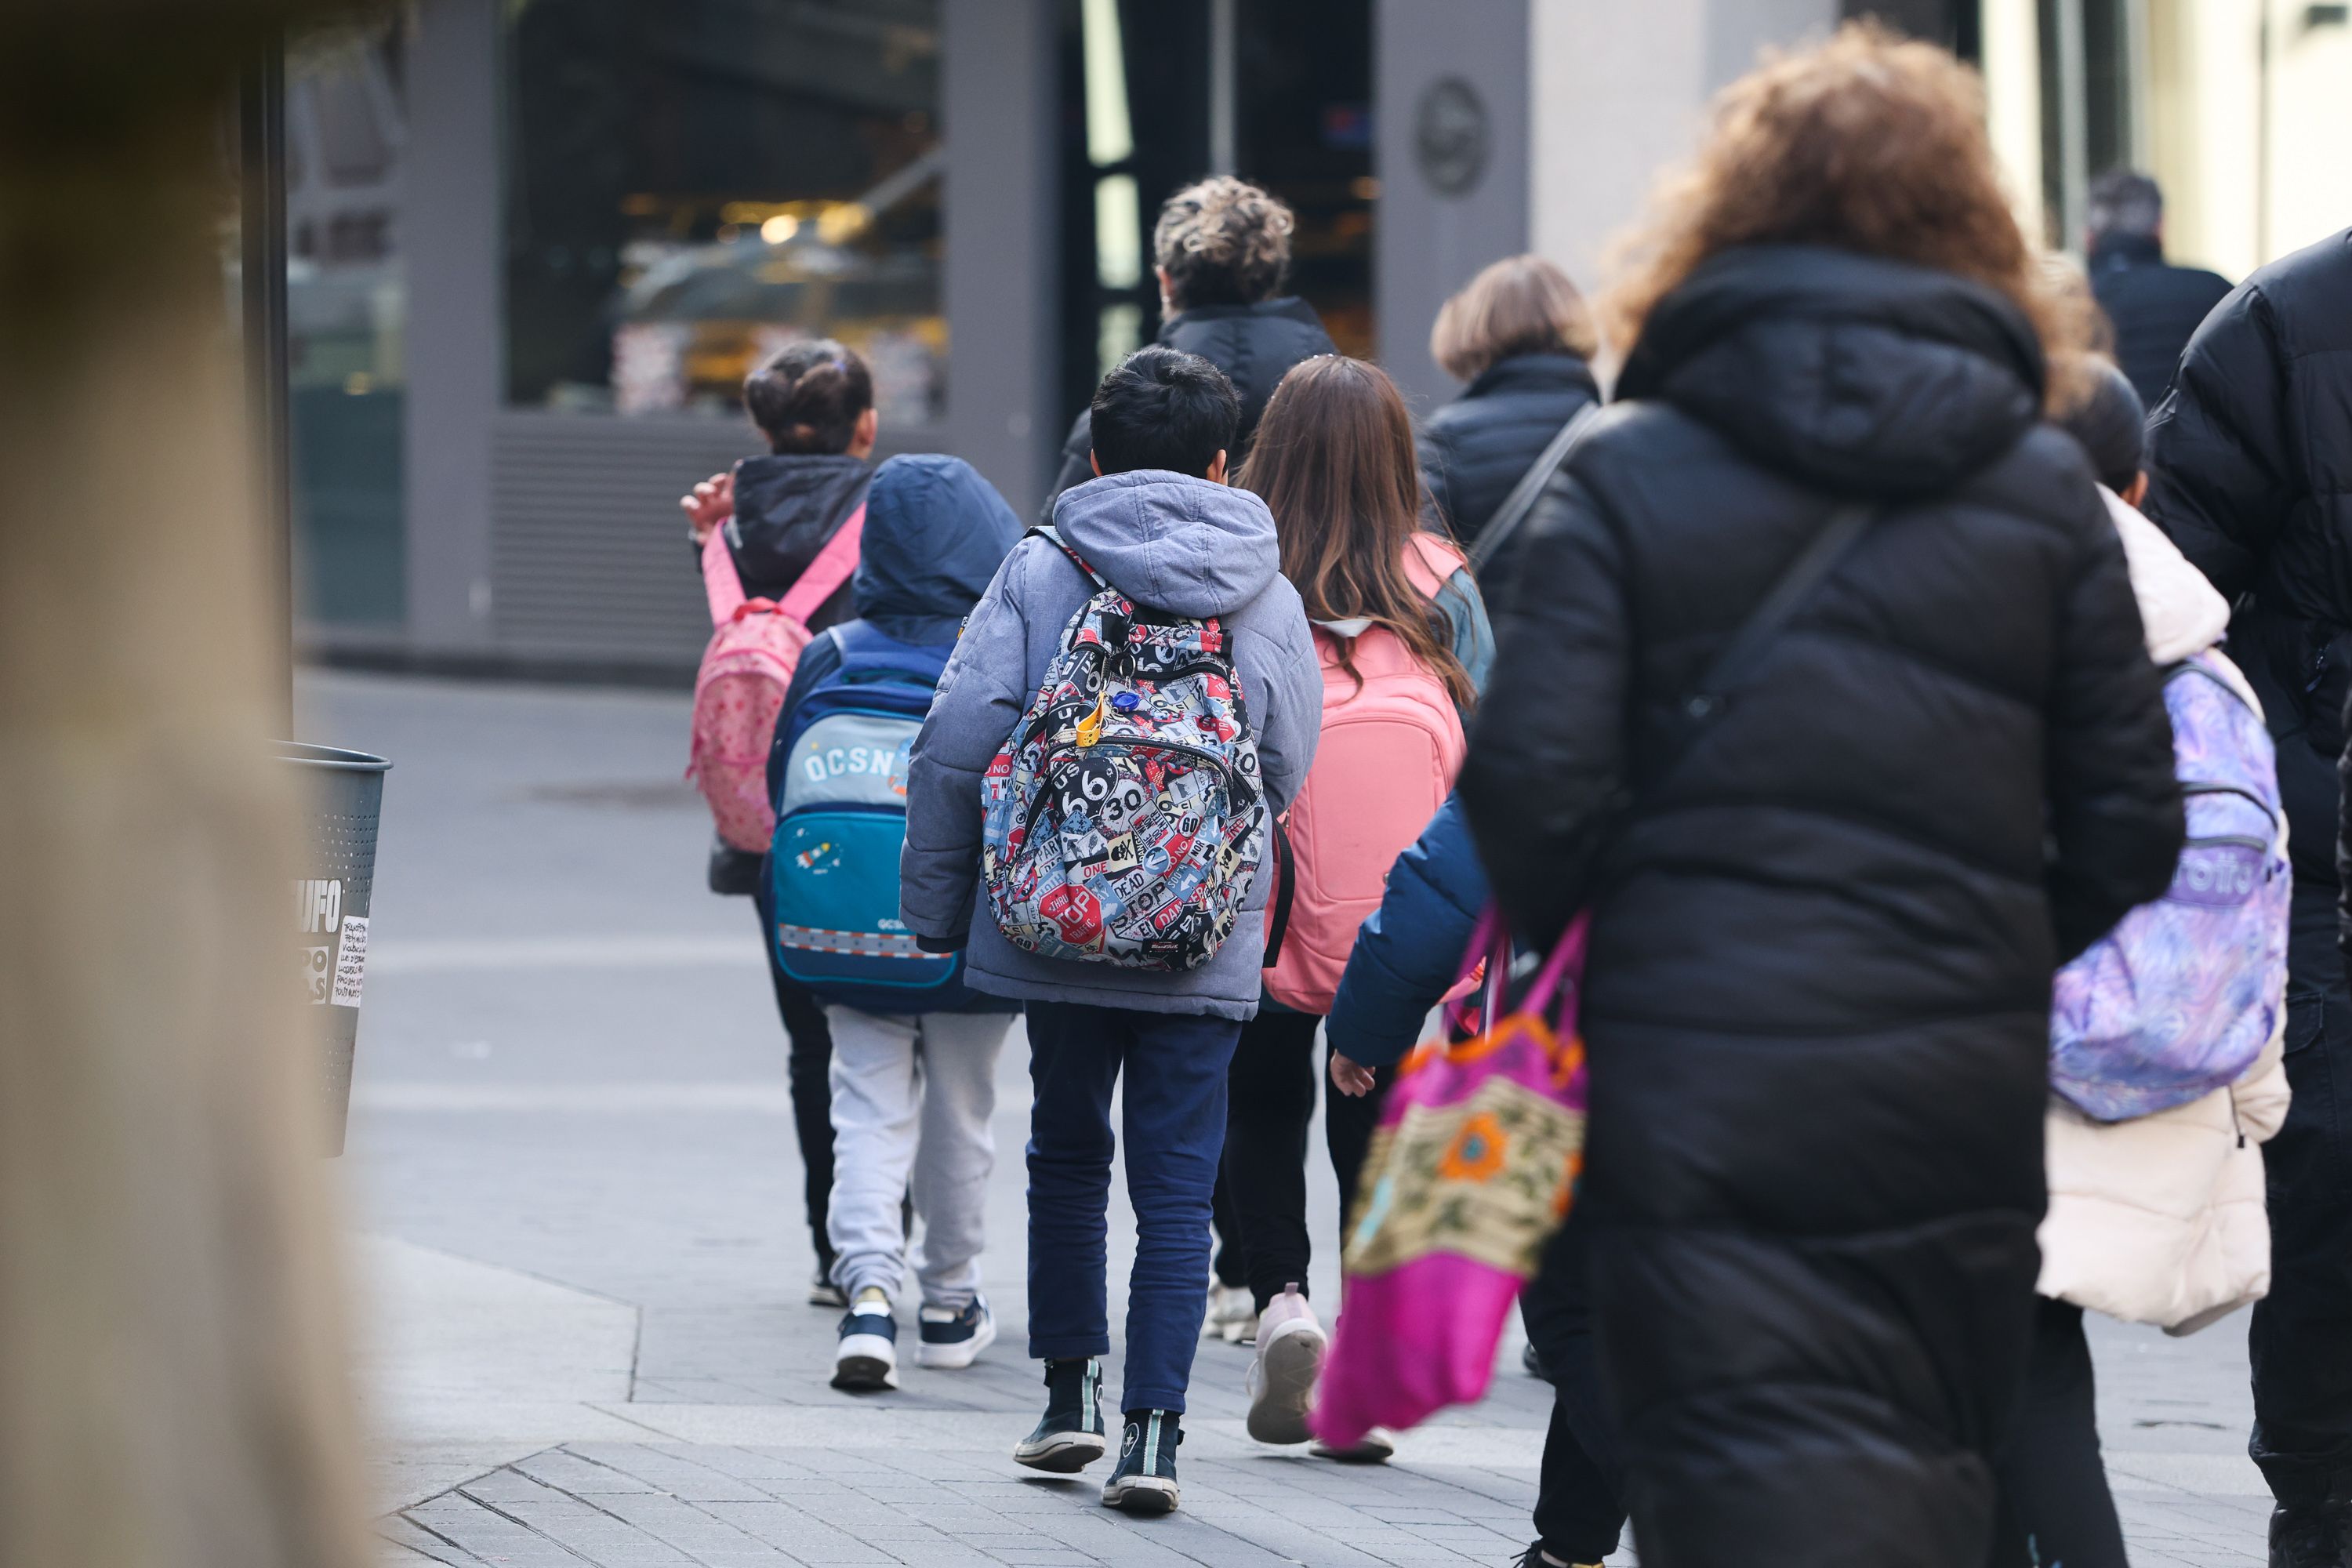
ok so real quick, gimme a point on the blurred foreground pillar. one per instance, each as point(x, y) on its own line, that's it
point(172, 1366)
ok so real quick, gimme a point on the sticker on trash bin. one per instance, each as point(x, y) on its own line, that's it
point(318, 972)
point(350, 962)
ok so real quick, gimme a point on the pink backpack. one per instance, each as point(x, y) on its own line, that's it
point(745, 671)
point(1386, 760)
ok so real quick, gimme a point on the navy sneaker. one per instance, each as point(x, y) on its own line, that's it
point(953, 1337)
point(1070, 1437)
point(866, 1359)
point(1144, 1479)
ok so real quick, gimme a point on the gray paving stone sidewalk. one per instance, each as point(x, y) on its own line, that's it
point(581, 1258)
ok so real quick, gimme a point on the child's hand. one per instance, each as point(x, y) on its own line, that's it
point(712, 503)
point(1350, 1079)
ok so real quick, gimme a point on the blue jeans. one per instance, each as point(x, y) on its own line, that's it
point(1175, 1114)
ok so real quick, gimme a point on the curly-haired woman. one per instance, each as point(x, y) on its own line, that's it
point(1826, 909)
point(1221, 249)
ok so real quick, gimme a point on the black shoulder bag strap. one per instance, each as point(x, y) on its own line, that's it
point(1523, 496)
point(1725, 671)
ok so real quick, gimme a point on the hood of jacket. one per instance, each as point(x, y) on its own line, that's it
point(786, 506)
point(935, 533)
point(1170, 542)
point(1853, 373)
point(1255, 346)
point(2182, 613)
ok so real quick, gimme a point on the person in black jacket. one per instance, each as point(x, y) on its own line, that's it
point(2248, 464)
point(1824, 928)
point(1520, 335)
point(1223, 248)
point(2152, 304)
point(814, 402)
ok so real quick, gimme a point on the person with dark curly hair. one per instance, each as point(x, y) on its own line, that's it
point(1222, 248)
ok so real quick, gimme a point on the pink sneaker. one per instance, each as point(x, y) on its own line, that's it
point(1280, 1382)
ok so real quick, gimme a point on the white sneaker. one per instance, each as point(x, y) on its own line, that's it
point(953, 1337)
point(1280, 1382)
point(1379, 1446)
point(1231, 1313)
point(866, 1361)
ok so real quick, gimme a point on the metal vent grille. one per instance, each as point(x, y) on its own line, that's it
point(588, 552)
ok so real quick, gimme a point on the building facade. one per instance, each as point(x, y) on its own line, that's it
point(536, 243)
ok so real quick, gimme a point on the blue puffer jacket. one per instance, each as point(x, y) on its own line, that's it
point(1407, 953)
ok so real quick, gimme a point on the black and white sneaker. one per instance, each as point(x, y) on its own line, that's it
point(866, 1359)
point(824, 1292)
point(1144, 1479)
point(1070, 1437)
point(953, 1337)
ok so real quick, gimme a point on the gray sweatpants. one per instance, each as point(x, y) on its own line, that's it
point(912, 1094)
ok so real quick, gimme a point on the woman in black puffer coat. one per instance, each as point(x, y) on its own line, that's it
point(1822, 940)
point(1520, 335)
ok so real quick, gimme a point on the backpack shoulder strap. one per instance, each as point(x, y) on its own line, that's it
point(834, 566)
point(723, 585)
point(1523, 496)
point(1051, 535)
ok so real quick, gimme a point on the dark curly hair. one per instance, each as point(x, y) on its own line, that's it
point(1223, 242)
point(809, 398)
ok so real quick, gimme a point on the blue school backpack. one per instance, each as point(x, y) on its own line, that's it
point(841, 820)
point(2183, 995)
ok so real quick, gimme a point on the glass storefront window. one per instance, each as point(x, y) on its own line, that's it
point(345, 128)
point(691, 186)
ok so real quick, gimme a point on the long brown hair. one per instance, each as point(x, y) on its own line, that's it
point(1333, 460)
point(1869, 143)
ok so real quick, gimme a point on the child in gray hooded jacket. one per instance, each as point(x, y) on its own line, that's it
point(1161, 526)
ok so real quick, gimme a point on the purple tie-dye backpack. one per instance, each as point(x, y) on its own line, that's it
point(2183, 995)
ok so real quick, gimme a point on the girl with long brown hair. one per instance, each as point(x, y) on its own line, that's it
point(1404, 643)
point(1829, 880)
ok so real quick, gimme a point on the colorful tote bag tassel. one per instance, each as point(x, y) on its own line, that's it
point(1469, 1176)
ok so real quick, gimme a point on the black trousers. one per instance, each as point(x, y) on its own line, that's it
point(809, 1069)
point(2055, 1508)
point(1580, 1514)
point(2301, 1338)
point(1269, 1104)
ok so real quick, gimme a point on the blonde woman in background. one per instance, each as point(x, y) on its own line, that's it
point(1521, 337)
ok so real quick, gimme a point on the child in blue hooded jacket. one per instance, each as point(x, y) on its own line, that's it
point(913, 1076)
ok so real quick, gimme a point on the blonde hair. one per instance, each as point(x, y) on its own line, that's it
point(1519, 305)
point(1869, 143)
point(1222, 241)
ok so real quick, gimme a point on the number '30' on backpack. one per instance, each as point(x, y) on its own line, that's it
point(755, 645)
point(2183, 995)
point(841, 820)
point(1391, 744)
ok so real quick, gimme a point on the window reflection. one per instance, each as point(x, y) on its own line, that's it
point(345, 128)
point(693, 185)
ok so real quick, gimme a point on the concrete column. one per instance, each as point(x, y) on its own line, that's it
point(1621, 96)
point(999, 101)
point(456, 348)
point(1451, 155)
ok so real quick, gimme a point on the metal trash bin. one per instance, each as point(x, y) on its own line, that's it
point(334, 884)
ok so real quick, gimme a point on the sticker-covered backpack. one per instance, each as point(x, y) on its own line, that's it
point(2183, 995)
point(1125, 818)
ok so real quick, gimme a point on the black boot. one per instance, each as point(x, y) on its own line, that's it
point(2312, 1535)
point(1070, 1437)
